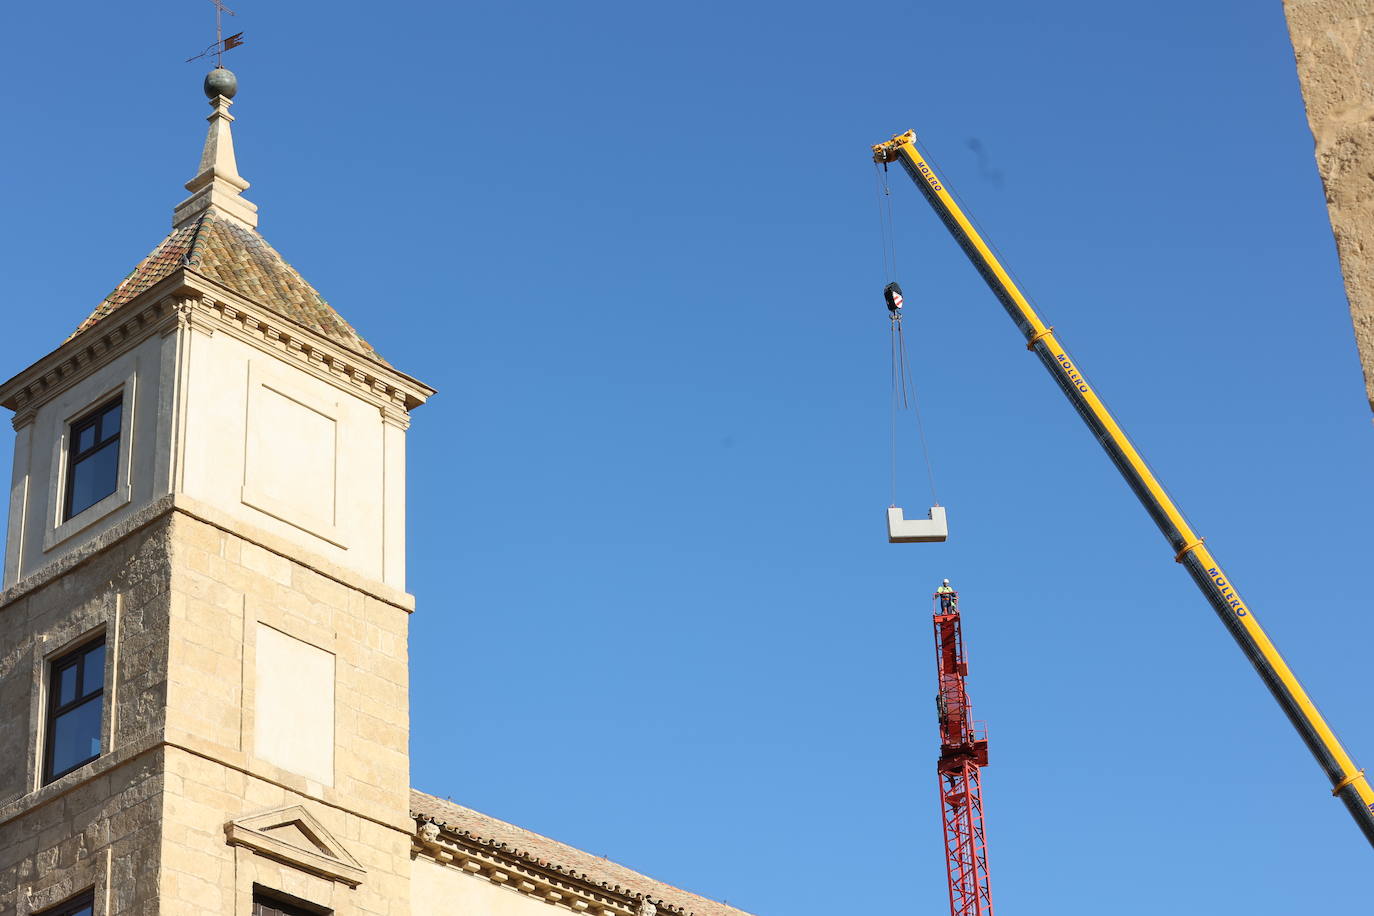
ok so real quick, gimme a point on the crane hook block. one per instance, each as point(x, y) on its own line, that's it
point(931, 530)
point(892, 294)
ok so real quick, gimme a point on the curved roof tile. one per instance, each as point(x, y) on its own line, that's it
point(241, 259)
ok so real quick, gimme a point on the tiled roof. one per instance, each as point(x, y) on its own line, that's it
point(558, 857)
point(241, 259)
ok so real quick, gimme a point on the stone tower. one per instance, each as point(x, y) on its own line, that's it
point(203, 672)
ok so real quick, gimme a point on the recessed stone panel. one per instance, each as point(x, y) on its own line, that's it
point(294, 706)
point(291, 456)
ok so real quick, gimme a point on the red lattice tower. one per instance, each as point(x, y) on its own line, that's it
point(963, 754)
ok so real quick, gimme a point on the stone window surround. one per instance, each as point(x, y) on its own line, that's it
point(257, 878)
point(307, 879)
point(51, 715)
point(97, 619)
point(73, 406)
point(91, 875)
point(331, 860)
point(266, 901)
point(101, 438)
point(82, 901)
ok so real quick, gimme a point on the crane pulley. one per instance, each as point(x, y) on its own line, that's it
point(892, 293)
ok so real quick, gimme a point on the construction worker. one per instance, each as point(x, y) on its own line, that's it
point(949, 601)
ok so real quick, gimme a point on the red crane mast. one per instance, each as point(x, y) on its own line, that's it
point(963, 754)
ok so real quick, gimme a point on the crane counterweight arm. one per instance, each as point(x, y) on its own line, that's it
point(1348, 782)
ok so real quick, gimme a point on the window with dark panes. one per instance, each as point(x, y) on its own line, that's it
point(93, 458)
point(77, 906)
point(76, 701)
point(271, 906)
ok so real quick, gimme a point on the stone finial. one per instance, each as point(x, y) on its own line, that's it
point(217, 183)
point(646, 908)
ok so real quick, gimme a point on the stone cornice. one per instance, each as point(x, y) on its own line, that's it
point(535, 865)
point(525, 875)
point(264, 327)
point(17, 806)
point(205, 514)
point(112, 337)
point(187, 299)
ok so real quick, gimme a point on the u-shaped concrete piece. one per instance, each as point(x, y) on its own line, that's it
point(917, 531)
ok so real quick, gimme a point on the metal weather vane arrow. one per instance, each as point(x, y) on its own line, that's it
point(221, 44)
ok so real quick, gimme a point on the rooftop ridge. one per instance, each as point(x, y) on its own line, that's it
point(192, 254)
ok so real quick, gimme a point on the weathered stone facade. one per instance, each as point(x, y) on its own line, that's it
point(101, 826)
point(180, 600)
point(1334, 44)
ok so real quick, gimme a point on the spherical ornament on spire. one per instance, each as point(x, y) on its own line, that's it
point(220, 81)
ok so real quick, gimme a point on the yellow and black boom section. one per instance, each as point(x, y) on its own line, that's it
point(1347, 781)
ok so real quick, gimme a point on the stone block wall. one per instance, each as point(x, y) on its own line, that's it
point(97, 827)
point(1333, 41)
point(184, 603)
point(225, 589)
point(102, 836)
point(202, 873)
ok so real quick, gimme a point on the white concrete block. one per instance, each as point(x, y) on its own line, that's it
point(916, 531)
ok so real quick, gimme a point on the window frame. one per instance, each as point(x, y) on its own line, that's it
point(73, 905)
point(56, 709)
point(267, 902)
point(72, 407)
point(91, 418)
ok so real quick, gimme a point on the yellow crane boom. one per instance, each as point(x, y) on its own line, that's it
point(1348, 782)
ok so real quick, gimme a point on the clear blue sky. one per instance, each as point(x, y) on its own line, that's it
point(635, 247)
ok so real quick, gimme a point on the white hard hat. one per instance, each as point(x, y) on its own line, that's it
point(947, 582)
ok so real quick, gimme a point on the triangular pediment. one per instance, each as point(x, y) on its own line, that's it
point(292, 835)
point(295, 835)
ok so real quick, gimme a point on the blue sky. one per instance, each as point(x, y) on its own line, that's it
point(635, 247)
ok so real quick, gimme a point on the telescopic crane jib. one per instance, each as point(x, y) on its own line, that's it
point(1348, 782)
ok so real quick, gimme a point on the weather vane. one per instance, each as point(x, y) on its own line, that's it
point(221, 44)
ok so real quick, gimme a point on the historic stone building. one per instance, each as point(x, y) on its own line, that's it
point(203, 628)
